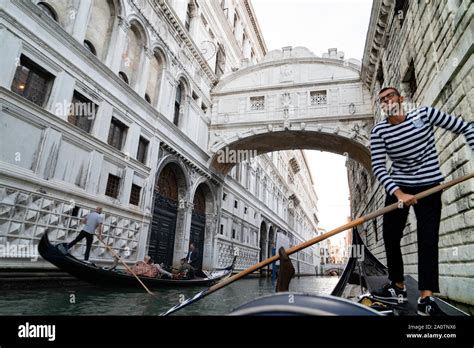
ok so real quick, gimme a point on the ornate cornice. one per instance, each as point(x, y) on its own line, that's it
point(375, 38)
point(185, 37)
point(256, 27)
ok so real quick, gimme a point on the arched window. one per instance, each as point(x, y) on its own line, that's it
point(90, 47)
point(147, 98)
point(220, 61)
point(100, 27)
point(177, 104)
point(155, 74)
point(49, 10)
point(187, 21)
point(124, 77)
point(133, 52)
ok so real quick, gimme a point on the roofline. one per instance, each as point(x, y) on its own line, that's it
point(256, 26)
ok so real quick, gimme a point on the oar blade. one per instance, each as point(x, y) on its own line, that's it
point(186, 302)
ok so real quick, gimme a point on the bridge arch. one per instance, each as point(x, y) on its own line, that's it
point(291, 100)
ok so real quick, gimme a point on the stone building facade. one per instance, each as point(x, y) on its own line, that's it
point(425, 48)
point(108, 102)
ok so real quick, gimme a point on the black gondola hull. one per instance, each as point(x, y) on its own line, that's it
point(99, 276)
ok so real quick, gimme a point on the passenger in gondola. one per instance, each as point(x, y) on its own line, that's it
point(148, 269)
point(193, 256)
point(185, 270)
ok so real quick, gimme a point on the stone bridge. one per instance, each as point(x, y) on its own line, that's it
point(329, 268)
point(292, 99)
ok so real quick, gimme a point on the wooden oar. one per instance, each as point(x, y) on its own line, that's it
point(112, 251)
point(310, 242)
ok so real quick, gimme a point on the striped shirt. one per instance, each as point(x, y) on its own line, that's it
point(410, 145)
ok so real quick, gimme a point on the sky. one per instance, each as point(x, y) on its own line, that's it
point(319, 25)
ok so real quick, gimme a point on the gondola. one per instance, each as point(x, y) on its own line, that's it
point(102, 276)
point(351, 295)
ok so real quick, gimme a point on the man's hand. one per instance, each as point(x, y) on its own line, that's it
point(407, 199)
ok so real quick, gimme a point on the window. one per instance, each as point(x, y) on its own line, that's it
point(113, 185)
point(318, 97)
point(90, 47)
point(211, 34)
point(187, 22)
point(257, 103)
point(32, 81)
point(236, 20)
point(236, 204)
point(222, 229)
point(82, 112)
point(142, 150)
point(233, 233)
point(177, 104)
point(245, 210)
point(401, 9)
point(117, 133)
point(124, 77)
point(135, 194)
point(220, 61)
point(380, 77)
point(203, 107)
point(244, 37)
point(75, 211)
point(203, 19)
point(224, 196)
point(147, 98)
point(409, 81)
point(195, 96)
point(48, 10)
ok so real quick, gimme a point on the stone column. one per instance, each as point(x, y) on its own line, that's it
point(131, 143)
point(183, 226)
point(142, 79)
point(93, 177)
point(163, 89)
point(10, 57)
point(117, 45)
point(101, 126)
point(127, 179)
point(153, 151)
point(61, 95)
point(209, 233)
point(81, 19)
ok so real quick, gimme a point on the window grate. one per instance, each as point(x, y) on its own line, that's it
point(113, 186)
point(257, 103)
point(318, 98)
point(135, 194)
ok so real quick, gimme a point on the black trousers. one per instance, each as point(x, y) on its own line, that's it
point(428, 216)
point(89, 237)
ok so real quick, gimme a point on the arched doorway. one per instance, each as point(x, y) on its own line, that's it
point(168, 189)
point(198, 222)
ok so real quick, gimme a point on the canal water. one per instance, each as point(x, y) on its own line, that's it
point(91, 300)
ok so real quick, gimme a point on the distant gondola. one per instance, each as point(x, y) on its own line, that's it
point(120, 278)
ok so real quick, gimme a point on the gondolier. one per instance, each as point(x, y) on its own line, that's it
point(407, 138)
point(91, 222)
